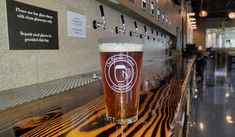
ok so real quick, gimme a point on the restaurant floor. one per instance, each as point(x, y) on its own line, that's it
point(213, 106)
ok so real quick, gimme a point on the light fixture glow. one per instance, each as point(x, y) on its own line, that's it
point(199, 48)
point(231, 15)
point(191, 14)
point(229, 119)
point(201, 125)
point(193, 22)
point(227, 95)
point(192, 19)
point(203, 13)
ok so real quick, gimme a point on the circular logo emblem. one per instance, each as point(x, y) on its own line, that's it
point(121, 72)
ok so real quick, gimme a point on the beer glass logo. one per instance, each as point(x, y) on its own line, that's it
point(121, 72)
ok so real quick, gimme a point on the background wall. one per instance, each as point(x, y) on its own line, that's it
point(199, 35)
point(75, 55)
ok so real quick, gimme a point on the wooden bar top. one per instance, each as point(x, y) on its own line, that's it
point(157, 114)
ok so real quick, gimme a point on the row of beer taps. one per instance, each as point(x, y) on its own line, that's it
point(102, 24)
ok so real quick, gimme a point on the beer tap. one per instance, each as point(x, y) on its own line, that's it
point(169, 40)
point(170, 51)
point(97, 24)
point(145, 33)
point(123, 29)
point(166, 44)
point(152, 34)
point(135, 33)
point(158, 37)
point(161, 37)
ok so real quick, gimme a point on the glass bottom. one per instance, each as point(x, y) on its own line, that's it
point(128, 120)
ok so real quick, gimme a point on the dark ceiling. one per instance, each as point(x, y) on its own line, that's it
point(216, 8)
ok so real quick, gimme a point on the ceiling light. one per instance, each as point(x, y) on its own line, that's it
point(227, 95)
point(191, 14)
point(192, 19)
point(229, 119)
point(193, 22)
point(199, 47)
point(231, 15)
point(203, 13)
point(201, 125)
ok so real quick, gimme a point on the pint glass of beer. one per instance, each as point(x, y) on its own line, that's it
point(121, 60)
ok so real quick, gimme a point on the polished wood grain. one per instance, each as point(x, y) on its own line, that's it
point(24, 125)
point(158, 114)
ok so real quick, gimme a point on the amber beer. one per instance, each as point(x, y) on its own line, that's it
point(121, 70)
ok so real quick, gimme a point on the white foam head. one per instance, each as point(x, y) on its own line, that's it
point(120, 47)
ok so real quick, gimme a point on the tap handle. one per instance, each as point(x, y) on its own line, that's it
point(152, 30)
point(135, 25)
point(123, 21)
point(102, 10)
point(157, 33)
point(145, 29)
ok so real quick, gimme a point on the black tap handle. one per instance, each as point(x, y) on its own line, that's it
point(102, 10)
point(123, 21)
point(145, 29)
point(152, 30)
point(157, 33)
point(135, 24)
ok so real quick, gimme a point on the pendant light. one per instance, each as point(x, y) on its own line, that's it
point(202, 13)
point(231, 15)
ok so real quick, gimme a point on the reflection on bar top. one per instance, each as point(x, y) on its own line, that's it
point(158, 113)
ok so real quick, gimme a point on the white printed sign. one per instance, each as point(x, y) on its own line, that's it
point(76, 24)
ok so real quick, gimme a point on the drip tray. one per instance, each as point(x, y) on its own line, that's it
point(13, 97)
